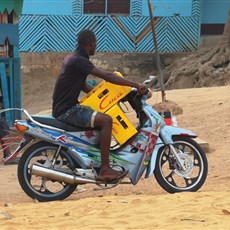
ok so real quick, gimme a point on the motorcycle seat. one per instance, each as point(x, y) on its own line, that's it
point(51, 121)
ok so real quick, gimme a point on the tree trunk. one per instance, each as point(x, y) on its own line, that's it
point(204, 68)
point(225, 41)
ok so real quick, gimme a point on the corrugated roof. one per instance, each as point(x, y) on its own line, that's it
point(11, 5)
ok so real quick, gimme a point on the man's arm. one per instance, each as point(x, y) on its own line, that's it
point(87, 88)
point(113, 78)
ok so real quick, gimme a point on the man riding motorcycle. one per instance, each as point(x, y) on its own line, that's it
point(71, 81)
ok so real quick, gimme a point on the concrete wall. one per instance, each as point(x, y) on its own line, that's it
point(129, 64)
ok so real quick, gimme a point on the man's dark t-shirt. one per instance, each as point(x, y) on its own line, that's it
point(74, 71)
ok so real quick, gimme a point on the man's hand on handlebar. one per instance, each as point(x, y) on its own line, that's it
point(142, 89)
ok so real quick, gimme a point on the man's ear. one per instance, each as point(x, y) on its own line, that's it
point(92, 42)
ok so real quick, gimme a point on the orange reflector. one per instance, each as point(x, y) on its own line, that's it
point(20, 128)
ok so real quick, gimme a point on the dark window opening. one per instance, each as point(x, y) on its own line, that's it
point(94, 6)
point(212, 29)
point(118, 7)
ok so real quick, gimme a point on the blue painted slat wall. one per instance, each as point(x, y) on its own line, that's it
point(215, 12)
point(42, 33)
point(50, 7)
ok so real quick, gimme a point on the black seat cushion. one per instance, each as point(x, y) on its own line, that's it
point(51, 121)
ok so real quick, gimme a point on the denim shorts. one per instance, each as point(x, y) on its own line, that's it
point(80, 116)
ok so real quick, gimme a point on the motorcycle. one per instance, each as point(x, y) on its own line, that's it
point(58, 157)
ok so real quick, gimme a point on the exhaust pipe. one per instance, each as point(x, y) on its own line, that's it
point(59, 176)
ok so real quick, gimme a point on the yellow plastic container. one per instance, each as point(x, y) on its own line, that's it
point(104, 98)
point(105, 95)
point(123, 129)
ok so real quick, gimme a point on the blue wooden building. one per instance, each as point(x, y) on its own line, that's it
point(120, 25)
point(10, 71)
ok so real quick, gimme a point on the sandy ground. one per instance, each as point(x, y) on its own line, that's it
point(146, 205)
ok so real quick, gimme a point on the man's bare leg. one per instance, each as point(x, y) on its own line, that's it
point(104, 122)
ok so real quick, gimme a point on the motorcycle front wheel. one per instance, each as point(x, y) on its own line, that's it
point(171, 177)
point(41, 188)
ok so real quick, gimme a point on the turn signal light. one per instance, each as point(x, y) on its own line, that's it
point(20, 128)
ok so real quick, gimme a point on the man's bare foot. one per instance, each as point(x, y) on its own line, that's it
point(110, 174)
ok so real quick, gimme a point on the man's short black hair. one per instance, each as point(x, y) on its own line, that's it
point(85, 37)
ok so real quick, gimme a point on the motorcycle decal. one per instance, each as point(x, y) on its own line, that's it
point(151, 144)
point(94, 155)
point(141, 137)
point(85, 148)
point(141, 140)
point(91, 136)
point(75, 143)
point(88, 134)
point(114, 158)
point(40, 131)
point(119, 159)
point(158, 124)
point(145, 142)
point(61, 138)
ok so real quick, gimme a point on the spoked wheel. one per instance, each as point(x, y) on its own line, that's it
point(171, 177)
point(41, 188)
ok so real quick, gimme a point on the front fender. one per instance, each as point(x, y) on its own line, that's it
point(166, 138)
point(167, 132)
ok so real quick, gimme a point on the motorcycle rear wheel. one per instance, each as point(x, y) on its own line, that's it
point(40, 188)
point(171, 177)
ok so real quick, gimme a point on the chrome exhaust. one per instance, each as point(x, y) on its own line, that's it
point(58, 176)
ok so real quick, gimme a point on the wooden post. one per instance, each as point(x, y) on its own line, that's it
point(157, 53)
